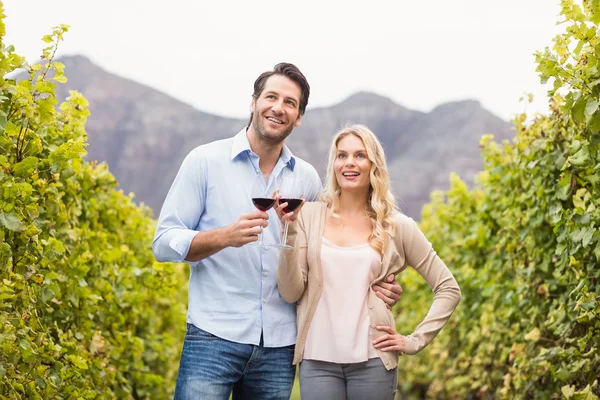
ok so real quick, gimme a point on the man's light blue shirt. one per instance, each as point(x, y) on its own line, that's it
point(233, 293)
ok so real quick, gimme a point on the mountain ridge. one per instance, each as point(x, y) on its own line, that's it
point(144, 134)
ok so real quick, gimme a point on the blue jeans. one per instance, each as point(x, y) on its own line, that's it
point(213, 368)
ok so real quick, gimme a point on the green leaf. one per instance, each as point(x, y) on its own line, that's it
point(43, 86)
point(78, 361)
point(18, 387)
point(577, 288)
point(577, 235)
point(11, 221)
point(95, 297)
point(26, 167)
point(594, 124)
point(56, 245)
point(562, 375)
point(587, 236)
point(595, 16)
point(533, 335)
point(24, 344)
point(59, 67)
point(60, 78)
point(34, 146)
point(568, 391)
point(585, 394)
point(578, 110)
point(46, 109)
point(591, 107)
point(2, 121)
point(555, 209)
point(579, 199)
point(580, 158)
point(47, 294)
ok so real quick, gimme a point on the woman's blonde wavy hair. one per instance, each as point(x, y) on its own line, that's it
point(381, 204)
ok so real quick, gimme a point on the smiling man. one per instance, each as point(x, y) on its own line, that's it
point(240, 332)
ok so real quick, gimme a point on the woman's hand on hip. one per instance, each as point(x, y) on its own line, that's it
point(390, 341)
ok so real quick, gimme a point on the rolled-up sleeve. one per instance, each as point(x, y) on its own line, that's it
point(181, 210)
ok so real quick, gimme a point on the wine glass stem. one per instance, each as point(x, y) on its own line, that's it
point(285, 231)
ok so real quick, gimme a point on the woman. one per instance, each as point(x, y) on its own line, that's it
point(347, 345)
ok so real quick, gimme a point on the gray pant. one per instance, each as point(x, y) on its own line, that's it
point(367, 380)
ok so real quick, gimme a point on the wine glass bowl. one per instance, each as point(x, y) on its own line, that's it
point(291, 190)
point(292, 204)
point(263, 203)
point(261, 200)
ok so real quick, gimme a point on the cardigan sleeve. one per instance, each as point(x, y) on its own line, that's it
point(292, 274)
point(420, 255)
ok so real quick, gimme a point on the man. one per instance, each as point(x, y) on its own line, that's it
point(240, 333)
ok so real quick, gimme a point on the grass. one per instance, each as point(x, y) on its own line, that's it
point(295, 390)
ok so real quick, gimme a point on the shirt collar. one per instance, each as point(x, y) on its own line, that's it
point(241, 145)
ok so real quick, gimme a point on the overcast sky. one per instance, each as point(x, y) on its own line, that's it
point(208, 53)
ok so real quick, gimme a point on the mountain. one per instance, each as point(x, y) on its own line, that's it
point(144, 135)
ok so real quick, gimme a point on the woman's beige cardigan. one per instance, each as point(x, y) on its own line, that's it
point(300, 279)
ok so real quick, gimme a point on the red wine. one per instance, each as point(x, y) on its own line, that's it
point(292, 204)
point(263, 203)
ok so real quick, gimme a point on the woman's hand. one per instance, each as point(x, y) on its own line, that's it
point(391, 341)
point(283, 216)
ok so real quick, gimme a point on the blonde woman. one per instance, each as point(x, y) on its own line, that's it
point(347, 345)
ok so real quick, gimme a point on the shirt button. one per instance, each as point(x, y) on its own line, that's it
point(264, 300)
point(265, 273)
point(373, 326)
point(370, 306)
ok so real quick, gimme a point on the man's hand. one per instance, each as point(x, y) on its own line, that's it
point(246, 229)
point(389, 291)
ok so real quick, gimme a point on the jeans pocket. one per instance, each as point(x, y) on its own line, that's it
point(195, 333)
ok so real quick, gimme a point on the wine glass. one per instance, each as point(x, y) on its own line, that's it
point(261, 199)
point(292, 193)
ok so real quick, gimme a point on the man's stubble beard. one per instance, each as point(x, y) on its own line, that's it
point(259, 128)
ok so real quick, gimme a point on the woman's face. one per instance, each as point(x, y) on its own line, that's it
point(352, 166)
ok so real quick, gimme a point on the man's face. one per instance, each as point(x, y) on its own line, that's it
point(275, 112)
